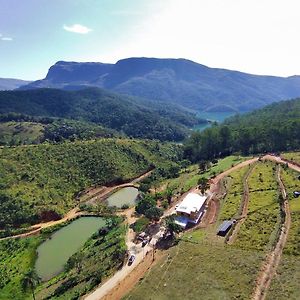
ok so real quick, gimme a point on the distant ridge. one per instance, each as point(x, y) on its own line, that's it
point(7, 84)
point(174, 80)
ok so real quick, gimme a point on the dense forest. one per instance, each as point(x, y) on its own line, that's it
point(135, 117)
point(42, 180)
point(274, 128)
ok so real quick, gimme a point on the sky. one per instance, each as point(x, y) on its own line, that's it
point(253, 36)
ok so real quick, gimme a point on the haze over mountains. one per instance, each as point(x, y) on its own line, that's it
point(174, 80)
point(7, 84)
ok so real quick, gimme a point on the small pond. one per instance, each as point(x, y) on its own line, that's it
point(124, 196)
point(54, 253)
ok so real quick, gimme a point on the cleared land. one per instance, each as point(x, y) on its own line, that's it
point(285, 284)
point(260, 229)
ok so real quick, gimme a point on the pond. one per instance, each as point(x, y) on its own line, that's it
point(124, 196)
point(212, 116)
point(54, 252)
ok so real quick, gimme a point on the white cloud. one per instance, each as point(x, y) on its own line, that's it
point(77, 28)
point(6, 38)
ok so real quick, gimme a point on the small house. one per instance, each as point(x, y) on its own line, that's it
point(190, 210)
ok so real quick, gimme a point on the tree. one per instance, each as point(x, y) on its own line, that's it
point(203, 184)
point(30, 281)
point(171, 226)
point(144, 204)
point(153, 213)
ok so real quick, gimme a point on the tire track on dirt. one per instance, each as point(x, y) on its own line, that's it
point(243, 208)
point(272, 260)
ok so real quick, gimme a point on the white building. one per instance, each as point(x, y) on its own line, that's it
point(190, 210)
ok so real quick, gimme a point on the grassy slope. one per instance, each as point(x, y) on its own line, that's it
point(294, 156)
point(202, 268)
point(47, 177)
point(232, 200)
point(20, 132)
point(262, 223)
point(16, 258)
point(285, 284)
point(189, 179)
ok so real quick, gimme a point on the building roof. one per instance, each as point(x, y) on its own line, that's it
point(191, 203)
point(225, 226)
point(182, 221)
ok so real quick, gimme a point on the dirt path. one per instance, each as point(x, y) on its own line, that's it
point(244, 207)
point(96, 194)
point(272, 261)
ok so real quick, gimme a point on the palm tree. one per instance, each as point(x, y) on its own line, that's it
point(171, 226)
point(203, 184)
point(30, 281)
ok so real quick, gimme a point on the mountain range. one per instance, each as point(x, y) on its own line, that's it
point(179, 81)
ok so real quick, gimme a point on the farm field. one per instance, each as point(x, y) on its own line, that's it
point(285, 284)
point(232, 201)
point(260, 229)
point(190, 177)
point(293, 156)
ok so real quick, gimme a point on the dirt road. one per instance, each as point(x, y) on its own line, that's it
point(244, 207)
point(96, 194)
point(272, 261)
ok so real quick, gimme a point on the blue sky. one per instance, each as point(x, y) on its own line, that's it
point(256, 36)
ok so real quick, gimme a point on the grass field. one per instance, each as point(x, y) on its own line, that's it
point(200, 269)
point(294, 156)
point(260, 229)
point(15, 133)
point(285, 284)
point(232, 201)
point(190, 177)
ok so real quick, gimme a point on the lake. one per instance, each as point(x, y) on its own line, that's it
point(212, 116)
point(124, 196)
point(55, 252)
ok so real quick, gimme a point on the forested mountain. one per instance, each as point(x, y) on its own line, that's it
point(134, 117)
point(175, 80)
point(11, 84)
point(273, 128)
point(42, 181)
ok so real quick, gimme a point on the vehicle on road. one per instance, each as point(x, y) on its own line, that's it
point(131, 259)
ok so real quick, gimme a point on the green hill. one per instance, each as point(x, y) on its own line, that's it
point(135, 117)
point(45, 179)
point(273, 128)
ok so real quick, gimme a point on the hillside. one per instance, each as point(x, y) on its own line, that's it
point(18, 129)
point(135, 117)
point(43, 180)
point(273, 128)
point(11, 84)
point(174, 80)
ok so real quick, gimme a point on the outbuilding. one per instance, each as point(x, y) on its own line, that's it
point(225, 227)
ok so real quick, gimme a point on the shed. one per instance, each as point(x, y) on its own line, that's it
point(224, 228)
point(296, 194)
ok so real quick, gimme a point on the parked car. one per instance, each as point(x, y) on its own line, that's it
point(145, 242)
point(131, 259)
